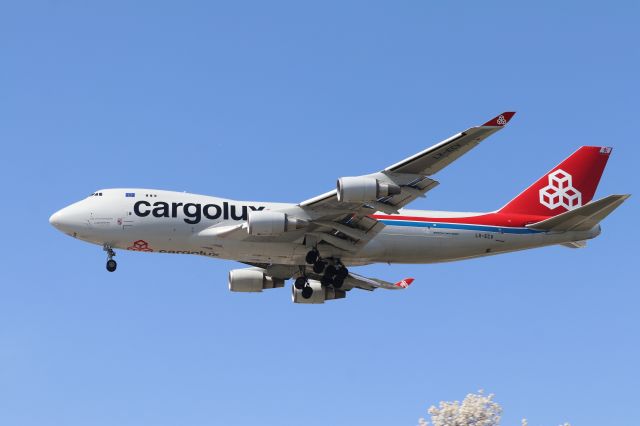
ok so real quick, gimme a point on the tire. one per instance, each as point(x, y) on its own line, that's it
point(330, 271)
point(311, 257)
point(307, 292)
point(319, 266)
point(338, 281)
point(300, 283)
point(111, 265)
point(326, 280)
point(342, 273)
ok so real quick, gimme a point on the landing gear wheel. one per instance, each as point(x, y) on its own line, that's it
point(319, 266)
point(326, 280)
point(307, 292)
point(300, 283)
point(330, 271)
point(312, 257)
point(343, 272)
point(111, 265)
point(338, 281)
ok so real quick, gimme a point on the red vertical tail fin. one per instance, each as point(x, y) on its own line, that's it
point(567, 186)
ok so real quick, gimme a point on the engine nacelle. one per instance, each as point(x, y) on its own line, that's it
point(252, 281)
point(363, 189)
point(319, 294)
point(266, 222)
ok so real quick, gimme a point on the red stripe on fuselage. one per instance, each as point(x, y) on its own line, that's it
point(490, 219)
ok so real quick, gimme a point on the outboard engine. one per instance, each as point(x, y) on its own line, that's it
point(363, 189)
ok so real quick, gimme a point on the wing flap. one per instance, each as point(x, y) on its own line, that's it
point(575, 244)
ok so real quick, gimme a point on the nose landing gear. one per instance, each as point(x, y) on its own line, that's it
point(111, 264)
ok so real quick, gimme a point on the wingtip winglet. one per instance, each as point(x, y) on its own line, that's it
point(500, 120)
point(404, 283)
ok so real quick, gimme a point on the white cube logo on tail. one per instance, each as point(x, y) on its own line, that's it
point(560, 192)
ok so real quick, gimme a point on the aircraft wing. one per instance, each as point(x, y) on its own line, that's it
point(365, 283)
point(440, 155)
point(352, 280)
point(348, 225)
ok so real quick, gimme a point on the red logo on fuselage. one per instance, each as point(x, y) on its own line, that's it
point(140, 245)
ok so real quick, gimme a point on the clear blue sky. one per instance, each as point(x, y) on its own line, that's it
point(274, 101)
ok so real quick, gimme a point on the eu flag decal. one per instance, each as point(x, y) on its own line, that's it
point(130, 194)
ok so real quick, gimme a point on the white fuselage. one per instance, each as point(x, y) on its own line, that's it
point(175, 222)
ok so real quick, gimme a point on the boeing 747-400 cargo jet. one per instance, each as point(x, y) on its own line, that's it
point(360, 222)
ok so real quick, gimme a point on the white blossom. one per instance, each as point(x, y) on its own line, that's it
point(475, 410)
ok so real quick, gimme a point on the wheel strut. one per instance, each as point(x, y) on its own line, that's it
point(111, 264)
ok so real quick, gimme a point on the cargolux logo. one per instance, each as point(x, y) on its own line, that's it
point(193, 212)
point(560, 192)
point(140, 245)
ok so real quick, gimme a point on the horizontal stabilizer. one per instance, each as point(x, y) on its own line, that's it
point(582, 218)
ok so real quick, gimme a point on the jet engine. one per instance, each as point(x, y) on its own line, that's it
point(363, 189)
point(266, 222)
point(315, 293)
point(252, 281)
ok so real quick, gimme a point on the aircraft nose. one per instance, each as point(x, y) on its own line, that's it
point(68, 220)
point(54, 220)
point(60, 220)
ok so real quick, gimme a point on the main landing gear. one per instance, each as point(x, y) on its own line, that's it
point(333, 274)
point(111, 264)
point(301, 283)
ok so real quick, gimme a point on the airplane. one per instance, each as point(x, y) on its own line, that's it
point(362, 221)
